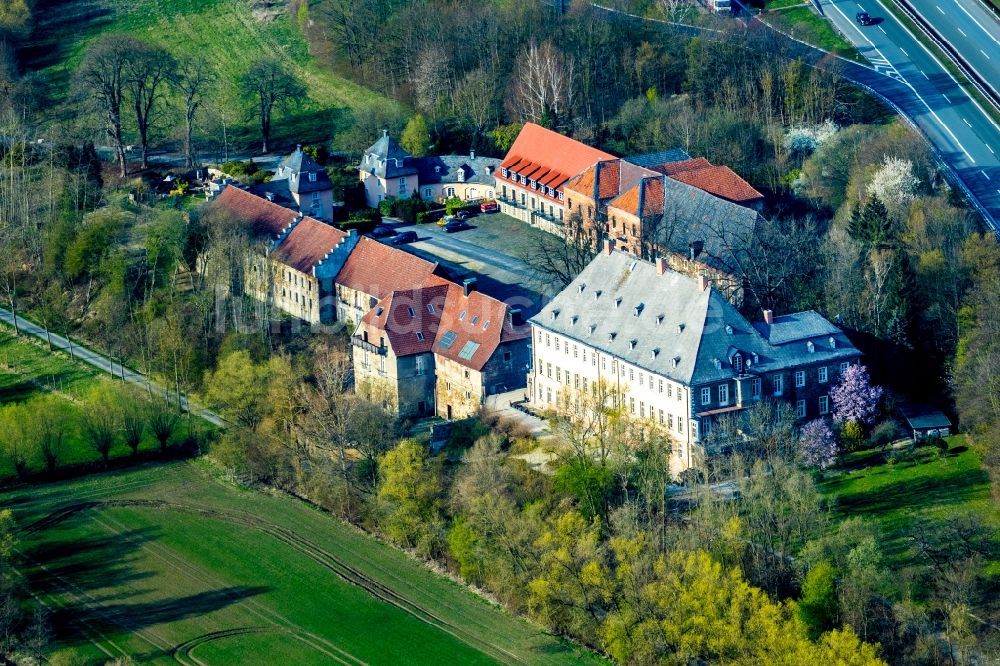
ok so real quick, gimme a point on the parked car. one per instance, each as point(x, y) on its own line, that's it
point(382, 231)
point(463, 215)
point(863, 18)
point(456, 225)
point(489, 207)
point(445, 220)
point(403, 237)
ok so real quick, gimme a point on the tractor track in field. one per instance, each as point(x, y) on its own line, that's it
point(184, 652)
point(322, 557)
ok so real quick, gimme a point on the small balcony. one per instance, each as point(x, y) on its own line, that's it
point(367, 346)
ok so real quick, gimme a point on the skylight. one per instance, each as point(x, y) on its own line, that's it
point(420, 336)
point(475, 319)
point(486, 324)
point(468, 350)
point(461, 315)
point(448, 339)
point(410, 310)
point(430, 308)
point(379, 311)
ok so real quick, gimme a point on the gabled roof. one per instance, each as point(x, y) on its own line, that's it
point(796, 327)
point(613, 176)
point(265, 218)
point(667, 323)
point(296, 169)
point(405, 318)
point(307, 244)
point(377, 269)
point(473, 326)
point(648, 190)
point(720, 181)
point(688, 217)
point(684, 165)
point(549, 157)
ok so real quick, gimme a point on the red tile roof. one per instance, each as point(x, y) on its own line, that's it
point(549, 157)
point(265, 218)
point(670, 168)
point(378, 270)
point(479, 323)
point(652, 198)
point(721, 181)
point(403, 314)
point(307, 244)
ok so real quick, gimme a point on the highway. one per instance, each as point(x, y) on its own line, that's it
point(920, 86)
point(971, 28)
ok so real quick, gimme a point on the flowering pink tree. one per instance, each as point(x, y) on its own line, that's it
point(854, 398)
point(817, 444)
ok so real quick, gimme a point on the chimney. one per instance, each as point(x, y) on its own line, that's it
point(597, 185)
point(298, 147)
point(768, 317)
point(703, 282)
point(609, 246)
point(472, 154)
point(516, 318)
point(269, 196)
point(661, 265)
point(385, 132)
point(642, 199)
point(469, 285)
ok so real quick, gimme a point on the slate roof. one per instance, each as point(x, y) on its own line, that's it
point(279, 193)
point(667, 324)
point(265, 218)
point(378, 269)
point(795, 327)
point(549, 157)
point(691, 217)
point(307, 244)
point(386, 159)
point(651, 160)
point(295, 169)
point(444, 169)
point(924, 416)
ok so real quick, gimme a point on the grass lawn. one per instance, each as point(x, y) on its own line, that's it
point(805, 24)
point(167, 563)
point(28, 371)
point(926, 491)
point(222, 32)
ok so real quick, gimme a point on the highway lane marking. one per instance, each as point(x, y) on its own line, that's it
point(988, 33)
point(939, 9)
point(907, 55)
point(883, 30)
point(946, 98)
point(910, 85)
point(989, 149)
point(985, 174)
point(985, 54)
point(935, 59)
point(962, 31)
point(925, 75)
point(966, 122)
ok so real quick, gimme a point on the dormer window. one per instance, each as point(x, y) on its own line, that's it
point(597, 294)
point(618, 301)
point(460, 174)
point(729, 329)
point(561, 196)
point(654, 353)
point(504, 172)
point(572, 320)
point(810, 347)
point(680, 328)
point(611, 337)
point(738, 363)
point(632, 344)
point(555, 313)
point(833, 342)
point(437, 168)
point(717, 363)
point(637, 310)
point(534, 184)
point(583, 286)
point(674, 363)
point(592, 328)
point(312, 176)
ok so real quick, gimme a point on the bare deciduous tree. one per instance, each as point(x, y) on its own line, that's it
point(270, 84)
point(544, 83)
point(147, 68)
point(193, 80)
point(102, 79)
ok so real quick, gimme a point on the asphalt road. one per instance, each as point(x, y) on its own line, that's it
point(971, 28)
point(914, 79)
point(103, 363)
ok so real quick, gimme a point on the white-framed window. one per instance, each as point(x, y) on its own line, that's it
point(738, 363)
point(724, 394)
point(844, 366)
point(631, 405)
point(823, 376)
point(421, 365)
point(778, 384)
point(428, 193)
point(450, 192)
point(381, 363)
point(504, 172)
point(680, 424)
point(660, 382)
point(402, 182)
point(315, 198)
point(755, 387)
point(694, 430)
point(824, 404)
point(800, 409)
point(312, 176)
point(800, 378)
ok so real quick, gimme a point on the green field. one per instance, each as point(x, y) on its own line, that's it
point(928, 491)
point(803, 23)
point(222, 32)
point(168, 564)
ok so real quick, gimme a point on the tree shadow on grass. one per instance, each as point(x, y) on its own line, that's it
point(942, 489)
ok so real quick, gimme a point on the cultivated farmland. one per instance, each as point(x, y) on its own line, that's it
point(170, 564)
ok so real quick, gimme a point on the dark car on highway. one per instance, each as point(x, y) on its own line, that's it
point(382, 231)
point(404, 237)
point(863, 18)
point(456, 225)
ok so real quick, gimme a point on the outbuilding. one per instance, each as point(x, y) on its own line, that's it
point(925, 421)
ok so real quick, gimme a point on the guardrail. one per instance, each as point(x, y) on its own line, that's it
point(983, 86)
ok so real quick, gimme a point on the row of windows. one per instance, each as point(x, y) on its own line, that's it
point(653, 382)
point(672, 423)
point(824, 406)
point(777, 385)
point(305, 302)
